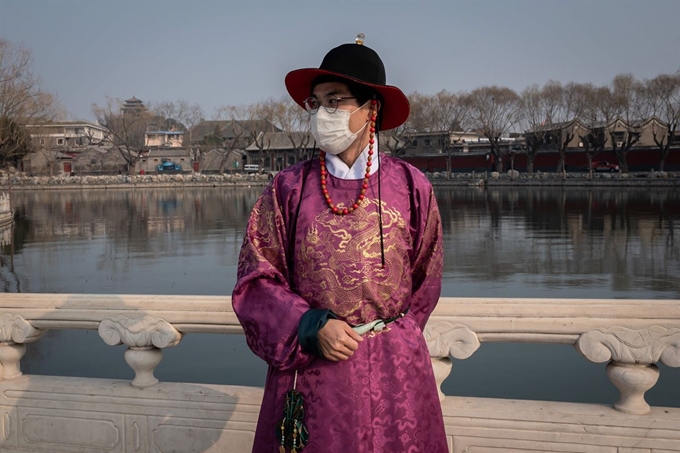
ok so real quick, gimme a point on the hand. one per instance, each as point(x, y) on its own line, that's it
point(338, 341)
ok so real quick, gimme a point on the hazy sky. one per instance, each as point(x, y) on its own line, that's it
point(233, 52)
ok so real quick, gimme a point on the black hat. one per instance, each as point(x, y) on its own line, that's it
point(361, 65)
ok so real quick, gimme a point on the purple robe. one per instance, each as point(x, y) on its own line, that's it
point(384, 398)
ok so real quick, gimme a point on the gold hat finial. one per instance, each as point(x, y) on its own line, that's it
point(360, 39)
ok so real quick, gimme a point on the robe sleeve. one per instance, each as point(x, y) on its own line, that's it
point(267, 308)
point(428, 262)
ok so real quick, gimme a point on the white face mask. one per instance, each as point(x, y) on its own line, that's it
point(331, 130)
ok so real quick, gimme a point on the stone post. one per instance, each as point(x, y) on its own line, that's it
point(15, 331)
point(445, 339)
point(145, 337)
point(632, 354)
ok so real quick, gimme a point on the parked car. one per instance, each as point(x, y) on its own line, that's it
point(251, 168)
point(168, 167)
point(603, 165)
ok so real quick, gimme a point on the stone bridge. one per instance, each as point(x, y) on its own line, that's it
point(75, 415)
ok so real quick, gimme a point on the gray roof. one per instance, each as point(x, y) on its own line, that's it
point(282, 141)
point(207, 127)
point(64, 124)
point(232, 128)
point(554, 126)
point(92, 150)
point(46, 153)
point(171, 152)
point(222, 151)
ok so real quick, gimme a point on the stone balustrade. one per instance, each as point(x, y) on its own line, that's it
point(6, 215)
point(44, 413)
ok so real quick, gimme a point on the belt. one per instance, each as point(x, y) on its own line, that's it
point(377, 325)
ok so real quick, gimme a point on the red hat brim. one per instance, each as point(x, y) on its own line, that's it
point(395, 106)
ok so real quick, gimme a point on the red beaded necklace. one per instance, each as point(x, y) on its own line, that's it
point(364, 185)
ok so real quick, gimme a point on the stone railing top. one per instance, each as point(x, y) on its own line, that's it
point(86, 311)
point(535, 320)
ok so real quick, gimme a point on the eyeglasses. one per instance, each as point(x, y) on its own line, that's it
point(329, 103)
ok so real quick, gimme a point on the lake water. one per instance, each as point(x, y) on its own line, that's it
point(500, 242)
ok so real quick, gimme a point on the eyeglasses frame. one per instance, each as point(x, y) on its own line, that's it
point(323, 102)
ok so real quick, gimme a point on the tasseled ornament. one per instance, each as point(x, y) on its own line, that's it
point(294, 434)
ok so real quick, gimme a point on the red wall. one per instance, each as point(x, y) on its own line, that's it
point(638, 160)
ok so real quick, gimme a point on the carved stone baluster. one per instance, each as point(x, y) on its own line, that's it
point(15, 331)
point(145, 337)
point(444, 340)
point(632, 354)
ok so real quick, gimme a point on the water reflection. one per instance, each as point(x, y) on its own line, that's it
point(501, 242)
point(153, 241)
point(607, 243)
point(514, 242)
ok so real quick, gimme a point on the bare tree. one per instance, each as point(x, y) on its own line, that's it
point(570, 112)
point(449, 114)
point(238, 137)
point(538, 110)
point(259, 119)
point(167, 115)
point(596, 114)
point(15, 142)
point(295, 122)
point(663, 98)
point(127, 129)
point(613, 114)
point(184, 116)
point(551, 116)
point(396, 140)
point(22, 101)
point(420, 117)
point(51, 157)
point(179, 114)
point(628, 99)
point(494, 110)
point(192, 115)
point(94, 140)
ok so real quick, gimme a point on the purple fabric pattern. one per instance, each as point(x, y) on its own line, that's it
point(384, 398)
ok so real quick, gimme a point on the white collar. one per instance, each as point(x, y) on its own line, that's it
point(339, 169)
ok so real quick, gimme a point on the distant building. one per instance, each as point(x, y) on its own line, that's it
point(426, 143)
point(67, 134)
point(153, 159)
point(46, 162)
point(99, 161)
point(219, 160)
point(132, 105)
point(443, 142)
point(231, 133)
point(163, 139)
point(274, 151)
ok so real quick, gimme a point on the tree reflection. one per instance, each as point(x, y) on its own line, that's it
point(569, 237)
point(547, 240)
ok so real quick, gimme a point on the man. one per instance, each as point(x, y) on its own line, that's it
point(339, 271)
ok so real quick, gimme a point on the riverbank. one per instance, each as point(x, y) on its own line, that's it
point(539, 179)
point(106, 182)
point(492, 179)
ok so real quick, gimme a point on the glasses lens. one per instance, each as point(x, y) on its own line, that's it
point(311, 104)
point(330, 103)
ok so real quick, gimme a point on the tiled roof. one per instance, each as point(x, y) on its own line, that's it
point(282, 141)
point(66, 123)
point(231, 128)
point(552, 126)
point(173, 152)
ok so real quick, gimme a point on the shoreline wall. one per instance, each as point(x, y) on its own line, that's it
point(477, 179)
